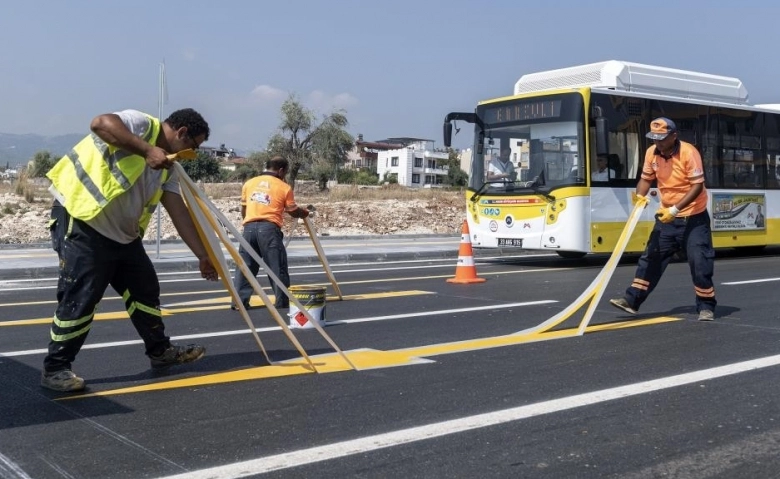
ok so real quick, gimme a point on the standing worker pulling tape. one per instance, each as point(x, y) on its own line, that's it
point(682, 221)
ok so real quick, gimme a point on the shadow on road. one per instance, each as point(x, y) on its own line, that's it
point(24, 403)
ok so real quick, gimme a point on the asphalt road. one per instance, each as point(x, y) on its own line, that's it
point(445, 388)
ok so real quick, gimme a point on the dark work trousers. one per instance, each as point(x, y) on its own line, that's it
point(89, 262)
point(693, 237)
point(266, 238)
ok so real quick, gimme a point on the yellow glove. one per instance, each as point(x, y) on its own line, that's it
point(667, 215)
point(188, 154)
point(639, 199)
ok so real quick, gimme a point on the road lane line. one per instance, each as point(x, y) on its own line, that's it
point(438, 312)
point(750, 281)
point(716, 462)
point(11, 470)
point(204, 305)
point(482, 261)
point(368, 281)
point(31, 352)
point(369, 444)
point(364, 359)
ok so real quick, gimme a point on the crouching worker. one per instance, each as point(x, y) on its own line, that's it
point(105, 191)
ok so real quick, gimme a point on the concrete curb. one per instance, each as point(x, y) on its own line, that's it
point(190, 264)
point(47, 245)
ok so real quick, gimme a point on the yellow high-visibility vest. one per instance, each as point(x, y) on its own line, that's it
point(93, 173)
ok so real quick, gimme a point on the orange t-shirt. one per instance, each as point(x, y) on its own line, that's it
point(676, 175)
point(266, 197)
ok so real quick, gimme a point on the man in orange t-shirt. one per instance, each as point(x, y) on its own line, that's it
point(682, 221)
point(264, 199)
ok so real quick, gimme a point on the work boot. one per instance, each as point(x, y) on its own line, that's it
point(63, 380)
point(706, 315)
point(177, 355)
point(246, 306)
point(621, 303)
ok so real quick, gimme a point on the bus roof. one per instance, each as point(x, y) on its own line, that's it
point(639, 78)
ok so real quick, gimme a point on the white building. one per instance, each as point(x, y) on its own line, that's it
point(465, 160)
point(416, 165)
point(9, 174)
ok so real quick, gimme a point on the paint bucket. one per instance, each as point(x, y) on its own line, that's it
point(313, 300)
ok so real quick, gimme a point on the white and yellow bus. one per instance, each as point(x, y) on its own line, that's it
point(558, 122)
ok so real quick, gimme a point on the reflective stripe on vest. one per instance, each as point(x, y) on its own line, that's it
point(102, 172)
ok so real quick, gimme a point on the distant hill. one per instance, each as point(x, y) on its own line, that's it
point(19, 149)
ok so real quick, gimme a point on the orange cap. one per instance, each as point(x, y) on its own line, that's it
point(660, 128)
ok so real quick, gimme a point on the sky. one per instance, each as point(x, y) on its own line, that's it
point(396, 68)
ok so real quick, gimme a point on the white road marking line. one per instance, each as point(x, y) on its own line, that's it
point(751, 281)
point(196, 274)
point(30, 352)
point(445, 311)
point(405, 436)
point(11, 470)
point(755, 449)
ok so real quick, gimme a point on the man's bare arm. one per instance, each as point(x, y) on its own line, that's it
point(110, 128)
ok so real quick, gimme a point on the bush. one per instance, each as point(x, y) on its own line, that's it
point(242, 173)
point(25, 188)
point(203, 168)
point(41, 163)
point(362, 176)
point(366, 177)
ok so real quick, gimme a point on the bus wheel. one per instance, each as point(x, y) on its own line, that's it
point(571, 254)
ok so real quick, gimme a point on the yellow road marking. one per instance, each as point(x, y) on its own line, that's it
point(369, 359)
point(368, 281)
point(222, 301)
point(256, 302)
point(115, 298)
point(98, 317)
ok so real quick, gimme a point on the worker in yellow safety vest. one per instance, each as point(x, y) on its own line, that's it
point(105, 192)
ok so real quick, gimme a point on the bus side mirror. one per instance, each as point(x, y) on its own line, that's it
point(602, 136)
point(447, 134)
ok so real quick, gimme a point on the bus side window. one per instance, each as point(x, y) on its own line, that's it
point(615, 165)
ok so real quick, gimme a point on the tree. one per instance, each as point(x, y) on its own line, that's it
point(40, 164)
point(455, 176)
point(300, 139)
point(242, 173)
point(320, 171)
point(331, 143)
point(257, 161)
point(204, 168)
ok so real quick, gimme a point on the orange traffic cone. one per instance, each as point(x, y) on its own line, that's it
point(465, 272)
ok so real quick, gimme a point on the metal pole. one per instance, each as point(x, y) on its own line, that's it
point(160, 102)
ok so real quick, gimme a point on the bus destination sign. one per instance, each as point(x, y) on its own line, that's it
point(527, 110)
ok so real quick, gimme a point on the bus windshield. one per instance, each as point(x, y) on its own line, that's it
point(529, 144)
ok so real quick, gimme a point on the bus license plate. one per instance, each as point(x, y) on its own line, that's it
point(510, 242)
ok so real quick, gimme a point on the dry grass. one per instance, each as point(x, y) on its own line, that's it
point(31, 189)
point(222, 190)
point(389, 192)
point(7, 186)
point(308, 191)
point(35, 189)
